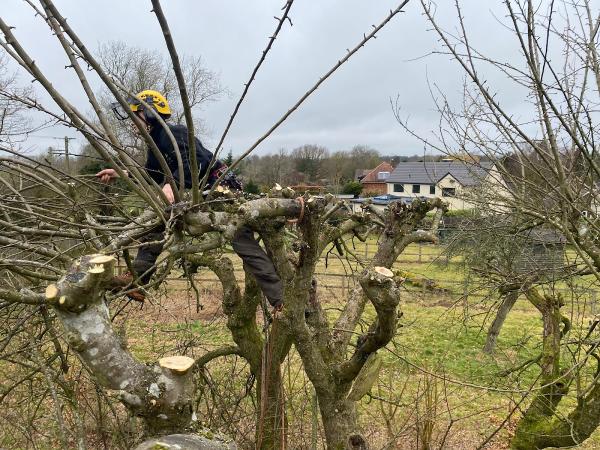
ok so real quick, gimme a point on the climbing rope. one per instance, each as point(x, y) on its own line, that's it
point(266, 363)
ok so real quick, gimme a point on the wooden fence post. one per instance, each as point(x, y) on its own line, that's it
point(466, 297)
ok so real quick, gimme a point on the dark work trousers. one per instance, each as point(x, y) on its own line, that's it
point(255, 259)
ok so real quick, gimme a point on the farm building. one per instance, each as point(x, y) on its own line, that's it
point(538, 251)
point(543, 252)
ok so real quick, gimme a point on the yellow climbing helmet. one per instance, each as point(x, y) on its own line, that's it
point(153, 98)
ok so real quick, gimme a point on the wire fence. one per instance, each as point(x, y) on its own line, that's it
point(464, 289)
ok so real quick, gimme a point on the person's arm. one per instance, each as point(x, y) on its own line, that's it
point(109, 175)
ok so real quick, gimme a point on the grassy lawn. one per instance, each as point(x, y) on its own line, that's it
point(433, 368)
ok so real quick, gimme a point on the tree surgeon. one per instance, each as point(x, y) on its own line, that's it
point(255, 259)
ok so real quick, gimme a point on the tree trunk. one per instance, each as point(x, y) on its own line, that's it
point(264, 358)
point(532, 430)
point(340, 424)
point(507, 304)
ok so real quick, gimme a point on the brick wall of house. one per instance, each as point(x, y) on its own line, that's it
point(370, 189)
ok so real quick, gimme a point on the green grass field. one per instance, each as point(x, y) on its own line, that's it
point(434, 368)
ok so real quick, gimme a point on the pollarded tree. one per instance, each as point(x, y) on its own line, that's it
point(162, 394)
point(59, 249)
point(331, 362)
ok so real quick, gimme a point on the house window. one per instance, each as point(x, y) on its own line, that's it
point(398, 188)
point(416, 188)
point(383, 175)
point(448, 192)
point(432, 189)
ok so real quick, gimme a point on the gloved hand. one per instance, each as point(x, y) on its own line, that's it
point(232, 182)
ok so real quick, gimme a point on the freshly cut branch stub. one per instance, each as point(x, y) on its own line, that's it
point(102, 259)
point(384, 271)
point(51, 292)
point(97, 268)
point(177, 364)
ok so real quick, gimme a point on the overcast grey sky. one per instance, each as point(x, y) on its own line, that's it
point(353, 107)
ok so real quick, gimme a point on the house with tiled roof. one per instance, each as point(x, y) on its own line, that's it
point(374, 180)
point(359, 174)
point(451, 180)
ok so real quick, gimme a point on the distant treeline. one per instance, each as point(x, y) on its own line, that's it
point(305, 165)
point(316, 165)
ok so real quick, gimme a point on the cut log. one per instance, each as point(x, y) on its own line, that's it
point(211, 441)
point(177, 364)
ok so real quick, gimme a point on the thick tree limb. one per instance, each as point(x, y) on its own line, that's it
point(401, 229)
point(161, 396)
point(383, 292)
point(22, 296)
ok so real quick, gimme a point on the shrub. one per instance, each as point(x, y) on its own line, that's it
point(352, 187)
point(251, 187)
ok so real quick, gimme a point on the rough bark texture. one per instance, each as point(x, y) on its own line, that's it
point(401, 223)
point(508, 302)
point(323, 351)
point(541, 427)
point(160, 396)
point(264, 358)
point(532, 430)
point(187, 442)
point(340, 423)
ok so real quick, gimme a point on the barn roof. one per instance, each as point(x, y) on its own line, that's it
point(544, 236)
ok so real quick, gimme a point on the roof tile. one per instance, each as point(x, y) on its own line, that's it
point(430, 172)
